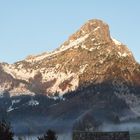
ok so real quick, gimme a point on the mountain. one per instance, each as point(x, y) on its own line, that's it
point(90, 74)
point(89, 55)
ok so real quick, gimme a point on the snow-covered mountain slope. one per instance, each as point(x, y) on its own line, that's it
point(90, 55)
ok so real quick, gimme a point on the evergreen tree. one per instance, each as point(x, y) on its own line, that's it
point(49, 135)
point(5, 131)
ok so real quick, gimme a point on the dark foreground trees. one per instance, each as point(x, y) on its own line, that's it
point(7, 134)
point(5, 131)
point(49, 135)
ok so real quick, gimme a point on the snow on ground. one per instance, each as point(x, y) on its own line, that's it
point(18, 73)
point(61, 77)
point(32, 102)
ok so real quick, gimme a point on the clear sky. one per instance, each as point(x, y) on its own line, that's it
point(35, 26)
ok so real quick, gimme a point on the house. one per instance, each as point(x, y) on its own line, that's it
point(83, 135)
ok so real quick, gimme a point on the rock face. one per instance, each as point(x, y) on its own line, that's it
point(89, 56)
point(91, 74)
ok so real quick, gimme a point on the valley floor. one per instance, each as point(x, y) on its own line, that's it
point(133, 136)
point(34, 137)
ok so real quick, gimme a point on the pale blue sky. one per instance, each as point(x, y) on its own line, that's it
point(34, 26)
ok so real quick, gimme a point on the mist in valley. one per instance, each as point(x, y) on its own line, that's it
point(132, 127)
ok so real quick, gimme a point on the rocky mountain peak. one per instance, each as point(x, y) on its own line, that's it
point(90, 55)
point(98, 29)
point(92, 34)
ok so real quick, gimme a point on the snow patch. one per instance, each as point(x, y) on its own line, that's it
point(84, 47)
point(74, 43)
point(91, 49)
point(18, 73)
point(61, 49)
point(10, 109)
point(92, 39)
point(96, 28)
point(33, 102)
point(15, 101)
point(116, 41)
point(61, 77)
point(82, 68)
point(122, 54)
point(37, 58)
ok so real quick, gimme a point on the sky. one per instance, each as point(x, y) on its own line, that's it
point(30, 27)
